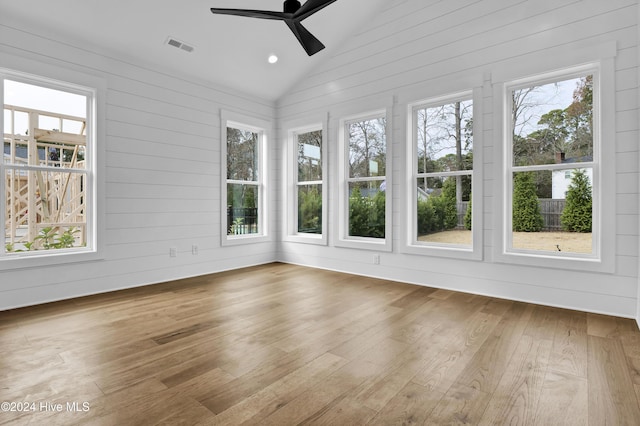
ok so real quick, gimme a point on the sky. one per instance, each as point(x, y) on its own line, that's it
point(44, 99)
point(550, 96)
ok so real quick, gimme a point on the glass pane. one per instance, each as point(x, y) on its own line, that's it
point(552, 210)
point(44, 210)
point(20, 123)
point(309, 156)
point(47, 122)
point(310, 209)
point(553, 123)
point(16, 153)
point(65, 155)
point(367, 209)
point(367, 148)
point(444, 214)
point(44, 99)
point(242, 154)
point(7, 121)
point(445, 137)
point(73, 126)
point(242, 209)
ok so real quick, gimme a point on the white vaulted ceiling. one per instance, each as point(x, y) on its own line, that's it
point(230, 51)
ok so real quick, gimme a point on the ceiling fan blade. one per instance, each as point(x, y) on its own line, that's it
point(310, 44)
point(262, 14)
point(310, 7)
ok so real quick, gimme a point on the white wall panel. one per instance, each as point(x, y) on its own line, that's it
point(419, 49)
point(163, 149)
point(162, 175)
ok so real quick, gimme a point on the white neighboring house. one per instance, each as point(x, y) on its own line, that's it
point(561, 179)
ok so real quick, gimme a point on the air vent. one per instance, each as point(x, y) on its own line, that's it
point(171, 41)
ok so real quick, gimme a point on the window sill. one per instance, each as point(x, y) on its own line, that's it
point(451, 251)
point(317, 239)
point(235, 240)
point(44, 258)
point(364, 243)
point(565, 262)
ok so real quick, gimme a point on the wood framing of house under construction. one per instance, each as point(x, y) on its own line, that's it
point(45, 178)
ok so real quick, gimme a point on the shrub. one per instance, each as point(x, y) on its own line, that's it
point(438, 213)
point(310, 211)
point(367, 214)
point(426, 217)
point(577, 213)
point(526, 209)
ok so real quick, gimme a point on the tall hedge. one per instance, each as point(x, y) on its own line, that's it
point(439, 212)
point(450, 204)
point(526, 209)
point(310, 211)
point(577, 213)
point(367, 214)
point(468, 215)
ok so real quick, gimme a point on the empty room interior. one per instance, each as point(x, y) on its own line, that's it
point(324, 212)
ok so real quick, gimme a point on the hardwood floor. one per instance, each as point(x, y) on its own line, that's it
point(282, 344)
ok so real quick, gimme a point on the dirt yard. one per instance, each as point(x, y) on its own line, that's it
point(572, 242)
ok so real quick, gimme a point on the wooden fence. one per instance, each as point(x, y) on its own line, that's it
point(551, 210)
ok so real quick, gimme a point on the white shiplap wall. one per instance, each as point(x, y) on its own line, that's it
point(419, 48)
point(162, 174)
point(162, 183)
point(637, 221)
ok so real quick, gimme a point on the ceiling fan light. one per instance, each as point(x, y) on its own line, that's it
point(272, 59)
point(291, 6)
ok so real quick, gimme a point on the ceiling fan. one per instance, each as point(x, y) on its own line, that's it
point(292, 15)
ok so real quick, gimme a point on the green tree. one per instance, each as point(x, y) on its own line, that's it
point(568, 130)
point(449, 201)
point(310, 211)
point(357, 213)
point(377, 215)
point(367, 214)
point(426, 217)
point(526, 210)
point(577, 213)
point(468, 216)
point(579, 119)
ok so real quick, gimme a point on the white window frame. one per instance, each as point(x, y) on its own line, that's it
point(263, 128)
point(94, 88)
point(343, 238)
point(602, 258)
point(412, 246)
point(292, 183)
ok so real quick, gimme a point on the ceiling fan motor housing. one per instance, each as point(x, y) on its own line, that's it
point(291, 6)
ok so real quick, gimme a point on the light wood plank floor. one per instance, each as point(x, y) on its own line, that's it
point(283, 344)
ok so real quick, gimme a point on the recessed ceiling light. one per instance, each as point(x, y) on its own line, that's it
point(272, 59)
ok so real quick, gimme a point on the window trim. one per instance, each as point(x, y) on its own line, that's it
point(30, 72)
point(343, 239)
point(603, 257)
point(263, 127)
point(291, 181)
point(411, 246)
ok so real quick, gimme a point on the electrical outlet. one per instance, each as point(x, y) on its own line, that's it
point(173, 252)
point(376, 259)
point(194, 250)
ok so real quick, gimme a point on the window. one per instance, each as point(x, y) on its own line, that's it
point(48, 168)
point(442, 165)
point(244, 189)
point(552, 185)
point(365, 187)
point(307, 194)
